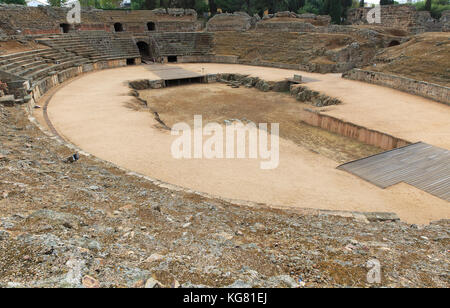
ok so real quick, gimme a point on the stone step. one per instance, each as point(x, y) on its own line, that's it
point(33, 69)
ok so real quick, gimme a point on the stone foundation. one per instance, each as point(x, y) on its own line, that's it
point(22, 20)
point(238, 80)
point(404, 17)
point(238, 21)
point(305, 95)
point(44, 85)
point(209, 59)
point(350, 130)
point(415, 87)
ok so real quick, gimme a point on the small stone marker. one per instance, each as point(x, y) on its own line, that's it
point(298, 78)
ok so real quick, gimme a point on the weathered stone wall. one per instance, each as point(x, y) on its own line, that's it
point(315, 98)
point(16, 86)
point(422, 88)
point(398, 16)
point(286, 26)
point(317, 52)
point(209, 59)
point(183, 43)
point(350, 130)
point(18, 20)
point(292, 18)
point(44, 85)
point(238, 80)
point(238, 21)
point(445, 21)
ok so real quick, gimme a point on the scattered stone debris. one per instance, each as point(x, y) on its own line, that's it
point(303, 94)
point(94, 225)
point(71, 159)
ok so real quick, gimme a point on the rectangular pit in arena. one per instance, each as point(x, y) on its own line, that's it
point(175, 76)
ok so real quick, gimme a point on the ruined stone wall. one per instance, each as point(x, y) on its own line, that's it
point(445, 21)
point(286, 26)
point(317, 20)
point(22, 20)
point(282, 21)
point(350, 130)
point(415, 87)
point(183, 43)
point(238, 21)
point(316, 52)
point(44, 85)
point(398, 16)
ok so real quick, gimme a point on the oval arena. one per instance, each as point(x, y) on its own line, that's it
point(363, 138)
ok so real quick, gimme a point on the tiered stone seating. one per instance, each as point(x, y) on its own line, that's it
point(94, 45)
point(36, 64)
point(112, 46)
point(72, 44)
point(185, 44)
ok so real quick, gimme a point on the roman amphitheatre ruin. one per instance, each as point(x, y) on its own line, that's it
point(364, 165)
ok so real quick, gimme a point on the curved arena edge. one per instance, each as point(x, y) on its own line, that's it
point(73, 74)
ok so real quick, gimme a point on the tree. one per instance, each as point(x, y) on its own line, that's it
point(386, 2)
point(361, 3)
point(335, 11)
point(346, 4)
point(428, 5)
point(212, 7)
point(150, 4)
point(314, 7)
point(21, 2)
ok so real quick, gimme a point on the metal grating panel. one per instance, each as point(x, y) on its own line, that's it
point(421, 165)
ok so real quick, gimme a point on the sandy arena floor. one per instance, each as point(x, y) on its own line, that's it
point(219, 103)
point(93, 113)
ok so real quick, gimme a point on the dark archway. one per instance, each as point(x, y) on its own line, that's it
point(65, 28)
point(172, 59)
point(394, 43)
point(151, 26)
point(144, 49)
point(118, 27)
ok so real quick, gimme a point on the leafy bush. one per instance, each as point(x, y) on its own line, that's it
point(437, 7)
point(22, 2)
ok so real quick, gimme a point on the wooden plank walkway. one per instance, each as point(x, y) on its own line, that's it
point(172, 72)
point(421, 165)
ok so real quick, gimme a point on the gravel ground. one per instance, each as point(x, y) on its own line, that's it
point(87, 224)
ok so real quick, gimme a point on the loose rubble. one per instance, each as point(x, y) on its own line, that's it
point(88, 224)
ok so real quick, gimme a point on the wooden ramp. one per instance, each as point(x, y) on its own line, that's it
point(421, 165)
point(168, 72)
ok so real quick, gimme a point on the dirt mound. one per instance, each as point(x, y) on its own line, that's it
point(425, 57)
point(10, 47)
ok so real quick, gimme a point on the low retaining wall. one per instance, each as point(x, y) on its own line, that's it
point(44, 85)
point(311, 67)
point(315, 98)
point(360, 133)
point(254, 82)
point(428, 90)
point(209, 59)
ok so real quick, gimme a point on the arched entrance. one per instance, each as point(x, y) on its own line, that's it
point(118, 27)
point(144, 50)
point(151, 26)
point(64, 28)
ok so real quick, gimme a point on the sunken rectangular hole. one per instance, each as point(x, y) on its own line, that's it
point(131, 61)
point(184, 81)
point(172, 59)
